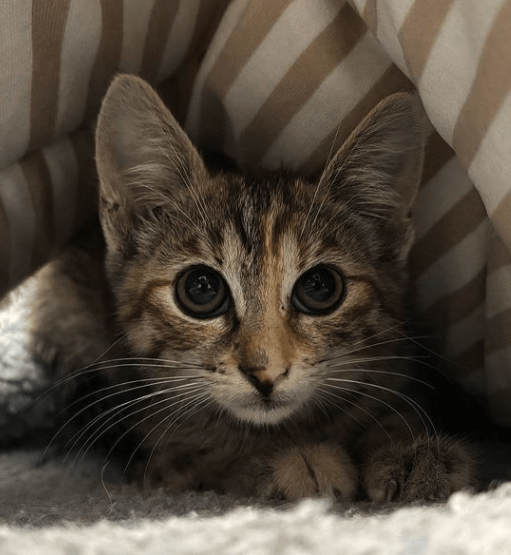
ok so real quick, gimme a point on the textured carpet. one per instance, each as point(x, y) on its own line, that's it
point(59, 507)
point(49, 510)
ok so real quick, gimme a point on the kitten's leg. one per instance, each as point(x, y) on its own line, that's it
point(406, 467)
point(310, 470)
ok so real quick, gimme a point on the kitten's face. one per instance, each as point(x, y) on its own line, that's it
point(264, 286)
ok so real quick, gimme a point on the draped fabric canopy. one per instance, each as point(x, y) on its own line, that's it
point(280, 83)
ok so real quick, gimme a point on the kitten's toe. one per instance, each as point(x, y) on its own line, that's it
point(310, 471)
point(430, 468)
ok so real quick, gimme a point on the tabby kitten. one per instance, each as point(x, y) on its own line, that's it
point(253, 325)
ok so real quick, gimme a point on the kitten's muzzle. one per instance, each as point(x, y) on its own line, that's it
point(263, 379)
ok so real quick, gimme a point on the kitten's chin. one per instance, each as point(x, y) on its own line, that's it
point(261, 414)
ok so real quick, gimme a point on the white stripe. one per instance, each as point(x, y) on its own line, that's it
point(179, 37)
point(82, 36)
point(454, 269)
point(439, 195)
point(21, 217)
point(289, 37)
point(136, 16)
point(491, 165)
point(391, 16)
point(453, 61)
point(229, 21)
point(16, 79)
point(337, 95)
point(63, 167)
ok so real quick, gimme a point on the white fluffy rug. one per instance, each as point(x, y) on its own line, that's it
point(56, 509)
point(48, 510)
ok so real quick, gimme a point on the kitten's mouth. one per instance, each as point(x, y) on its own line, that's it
point(263, 411)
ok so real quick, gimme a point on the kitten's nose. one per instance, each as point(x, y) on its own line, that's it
point(263, 380)
point(265, 387)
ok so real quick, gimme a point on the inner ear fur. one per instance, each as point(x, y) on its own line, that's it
point(144, 158)
point(379, 167)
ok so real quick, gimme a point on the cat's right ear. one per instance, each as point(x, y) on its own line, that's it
point(144, 159)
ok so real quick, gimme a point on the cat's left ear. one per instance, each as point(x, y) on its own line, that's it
point(378, 169)
point(144, 158)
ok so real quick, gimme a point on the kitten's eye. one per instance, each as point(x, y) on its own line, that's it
point(202, 293)
point(318, 291)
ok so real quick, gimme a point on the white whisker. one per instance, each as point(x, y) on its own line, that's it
point(127, 405)
point(378, 400)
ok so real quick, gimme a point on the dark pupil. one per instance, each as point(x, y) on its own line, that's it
point(319, 285)
point(202, 287)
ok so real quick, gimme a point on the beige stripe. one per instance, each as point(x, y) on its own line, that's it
point(452, 271)
point(390, 82)
point(419, 31)
point(435, 199)
point(390, 18)
point(15, 81)
point(243, 42)
point(498, 285)
point(108, 55)
point(5, 251)
point(17, 203)
point(453, 308)
point(438, 153)
point(179, 38)
point(229, 22)
point(491, 85)
point(490, 167)
point(63, 168)
point(470, 362)
point(177, 91)
point(86, 197)
point(38, 181)
point(160, 22)
point(499, 255)
point(48, 24)
point(81, 42)
point(331, 102)
point(209, 16)
point(466, 332)
point(450, 230)
point(293, 91)
point(498, 290)
point(498, 332)
point(501, 218)
point(134, 32)
point(290, 36)
point(239, 47)
point(370, 16)
point(450, 69)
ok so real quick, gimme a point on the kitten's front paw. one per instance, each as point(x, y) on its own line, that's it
point(430, 468)
point(312, 470)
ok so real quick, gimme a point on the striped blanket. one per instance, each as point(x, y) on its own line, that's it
point(280, 83)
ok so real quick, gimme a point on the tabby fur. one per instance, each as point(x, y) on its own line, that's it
point(263, 397)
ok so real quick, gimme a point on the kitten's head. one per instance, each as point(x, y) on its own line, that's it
point(269, 285)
